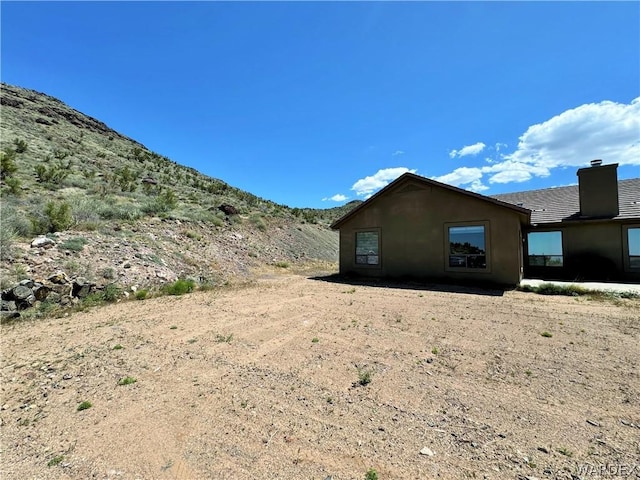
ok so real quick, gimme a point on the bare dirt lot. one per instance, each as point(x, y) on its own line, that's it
point(269, 380)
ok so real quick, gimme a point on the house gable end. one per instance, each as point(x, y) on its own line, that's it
point(409, 182)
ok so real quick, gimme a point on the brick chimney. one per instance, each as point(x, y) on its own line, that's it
point(598, 185)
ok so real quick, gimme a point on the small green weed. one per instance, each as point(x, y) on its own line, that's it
point(224, 338)
point(142, 294)
point(566, 452)
point(84, 406)
point(435, 350)
point(118, 347)
point(258, 222)
point(547, 334)
point(364, 377)
point(371, 474)
point(173, 327)
point(315, 340)
point(111, 292)
point(108, 273)
point(93, 299)
point(179, 287)
point(193, 235)
point(282, 264)
point(127, 381)
point(19, 272)
point(528, 373)
point(21, 145)
point(75, 244)
point(46, 307)
point(55, 461)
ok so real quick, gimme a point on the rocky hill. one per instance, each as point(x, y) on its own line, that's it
point(82, 199)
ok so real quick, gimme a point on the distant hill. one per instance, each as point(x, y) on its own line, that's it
point(73, 150)
point(63, 171)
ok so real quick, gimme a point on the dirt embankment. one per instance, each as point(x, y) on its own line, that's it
point(291, 377)
point(153, 252)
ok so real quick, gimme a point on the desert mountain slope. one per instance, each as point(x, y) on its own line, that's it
point(118, 212)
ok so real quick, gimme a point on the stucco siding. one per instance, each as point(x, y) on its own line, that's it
point(591, 250)
point(412, 222)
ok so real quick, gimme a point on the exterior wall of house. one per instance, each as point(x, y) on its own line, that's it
point(412, 221)
point(592, 250)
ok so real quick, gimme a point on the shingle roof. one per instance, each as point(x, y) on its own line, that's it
point(553, 205)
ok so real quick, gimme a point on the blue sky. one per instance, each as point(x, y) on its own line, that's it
point(313, 104)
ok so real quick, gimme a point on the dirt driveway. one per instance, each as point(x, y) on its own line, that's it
point(270, 381)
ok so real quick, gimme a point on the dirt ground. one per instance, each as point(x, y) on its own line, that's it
point(264, 381)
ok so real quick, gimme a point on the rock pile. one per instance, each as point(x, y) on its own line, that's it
point(57, 288)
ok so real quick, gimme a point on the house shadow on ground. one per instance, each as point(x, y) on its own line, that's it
point(414, 284)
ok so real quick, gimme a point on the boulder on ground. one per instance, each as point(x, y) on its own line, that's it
point(40, 291)
point(228, 209)
point(8, 305)
point(42, 242)
point(81, 288)
point(21, 292)
point(59, 278)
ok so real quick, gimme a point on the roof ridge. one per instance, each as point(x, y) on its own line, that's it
point(554, 188)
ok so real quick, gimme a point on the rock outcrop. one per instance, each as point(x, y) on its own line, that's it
point(57, 288)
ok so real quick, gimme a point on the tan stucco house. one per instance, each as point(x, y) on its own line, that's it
point(417, 227)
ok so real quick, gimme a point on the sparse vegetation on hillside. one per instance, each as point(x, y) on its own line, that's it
point(145, 219)
point(49, 148)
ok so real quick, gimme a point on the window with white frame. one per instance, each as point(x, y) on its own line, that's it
point(368, 248)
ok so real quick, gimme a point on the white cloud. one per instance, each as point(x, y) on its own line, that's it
point(460, 176)
point(474, 149)
point(511, 171)
point(397, 152)
point(469, 177)
point(368, 185)
point(499, 146)
point(338, 197)
point(606, 130)
point(477, 186)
